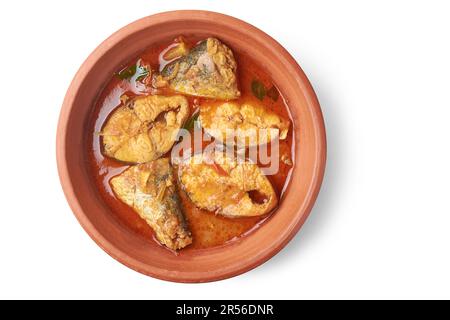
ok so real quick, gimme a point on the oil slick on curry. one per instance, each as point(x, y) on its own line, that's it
point(183, 193)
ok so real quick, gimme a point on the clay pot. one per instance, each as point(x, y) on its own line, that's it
point(205, 264)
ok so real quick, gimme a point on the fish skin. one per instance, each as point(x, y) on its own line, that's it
point(208, 70)
point(151, 190)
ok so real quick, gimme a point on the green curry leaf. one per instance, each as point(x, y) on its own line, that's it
point(127, 73)
point(136, 71)
point(191, 122)
point(258, 89)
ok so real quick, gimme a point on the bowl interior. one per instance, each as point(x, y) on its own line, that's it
point(130, 248)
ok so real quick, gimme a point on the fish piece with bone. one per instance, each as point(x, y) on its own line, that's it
point(250, 123)
point(150, 189)
point(220, 183)
point(145, 128)
point(208, 70)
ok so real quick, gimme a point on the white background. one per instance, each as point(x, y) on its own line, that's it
point(381, 225)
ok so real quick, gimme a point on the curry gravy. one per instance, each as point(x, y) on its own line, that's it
point(208, 229)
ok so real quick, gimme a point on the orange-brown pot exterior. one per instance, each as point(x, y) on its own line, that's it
point(206, 264)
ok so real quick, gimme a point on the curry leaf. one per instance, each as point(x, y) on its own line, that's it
point(189, 125)
point(127, 72)
point(273, 93)
point(258, 89)
point(136, 70)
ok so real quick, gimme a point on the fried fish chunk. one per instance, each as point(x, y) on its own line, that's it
point(249, 124)
point(145, 128)
point(219, 183)
point(208, 70)
point(150, 189)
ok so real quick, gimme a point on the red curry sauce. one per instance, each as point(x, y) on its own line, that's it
point(208, 229)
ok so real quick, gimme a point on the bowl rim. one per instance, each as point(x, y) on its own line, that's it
point(74, 87)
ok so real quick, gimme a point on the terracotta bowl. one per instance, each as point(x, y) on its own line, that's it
point(205, 264)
